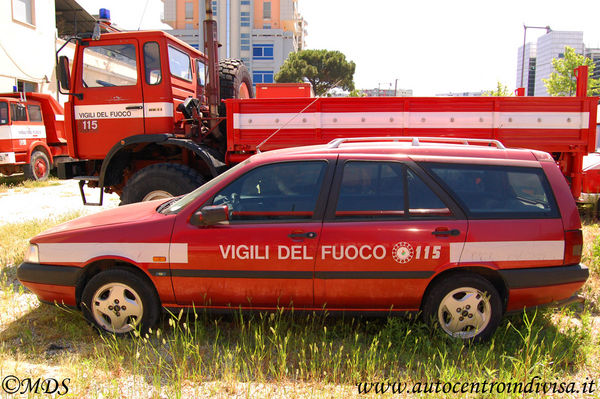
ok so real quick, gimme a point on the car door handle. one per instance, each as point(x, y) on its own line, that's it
point(134, 107)
point(310, 234)
point(453, 232)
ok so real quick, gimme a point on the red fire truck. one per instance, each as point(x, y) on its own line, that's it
point(32, 136)
point(145, 117)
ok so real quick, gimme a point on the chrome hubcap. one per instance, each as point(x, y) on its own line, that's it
point(117, 307)
point(464, 312)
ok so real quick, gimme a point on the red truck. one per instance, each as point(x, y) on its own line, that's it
point(32, 135)
point(146, 118)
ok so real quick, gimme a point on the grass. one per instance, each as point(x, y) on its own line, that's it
point(283, 353)
point(19, 182)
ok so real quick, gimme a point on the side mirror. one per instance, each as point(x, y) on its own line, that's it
point(62, 72)
point(210, 215)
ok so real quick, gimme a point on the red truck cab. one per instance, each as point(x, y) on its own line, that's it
point(31, 134)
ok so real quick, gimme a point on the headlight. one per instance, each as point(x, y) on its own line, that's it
point(33, 254)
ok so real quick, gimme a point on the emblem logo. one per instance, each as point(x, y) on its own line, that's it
point(403, 252)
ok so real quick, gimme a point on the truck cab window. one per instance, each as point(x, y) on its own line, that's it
point(111, 65)
point(35, 113)
point(152, 71)
point(201, 71)
point(18, 112)
point(3, 113)
point(179, 63)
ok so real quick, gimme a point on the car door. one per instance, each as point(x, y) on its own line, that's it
point(264, 256)
point(388, 229)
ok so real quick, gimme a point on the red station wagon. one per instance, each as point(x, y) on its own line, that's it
point(461, 230)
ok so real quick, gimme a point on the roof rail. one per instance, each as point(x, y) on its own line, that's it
point(416, 141)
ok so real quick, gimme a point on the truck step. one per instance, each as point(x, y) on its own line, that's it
point(82, 180)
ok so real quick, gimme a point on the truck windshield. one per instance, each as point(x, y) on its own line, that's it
point(3, 113)
point(184, 201)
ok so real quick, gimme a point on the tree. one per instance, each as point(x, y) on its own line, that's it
point(562, 82)
point(322, 68)
point(500, 91)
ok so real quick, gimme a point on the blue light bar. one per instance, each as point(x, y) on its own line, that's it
point(104, 14)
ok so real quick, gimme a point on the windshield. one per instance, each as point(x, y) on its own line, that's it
point(184, 201)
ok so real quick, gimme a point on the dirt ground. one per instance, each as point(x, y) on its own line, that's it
point(21, 204)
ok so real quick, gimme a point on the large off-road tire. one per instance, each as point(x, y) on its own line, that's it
point(38, 167)
point(118, 301)
point(234, 79)
point(465, 306)
point(235, 82)
point(162, 180)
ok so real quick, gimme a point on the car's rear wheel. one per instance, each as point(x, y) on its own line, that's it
point(118, 301)
point(465, 306)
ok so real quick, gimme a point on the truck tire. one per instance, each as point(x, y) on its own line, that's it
point(235, 82)
point(38, 167)
point(161, 180)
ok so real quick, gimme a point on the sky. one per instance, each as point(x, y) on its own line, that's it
point(429, 46)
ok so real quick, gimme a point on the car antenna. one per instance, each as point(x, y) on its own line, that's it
point(290, 120)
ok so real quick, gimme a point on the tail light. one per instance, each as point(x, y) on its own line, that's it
point(573, 246)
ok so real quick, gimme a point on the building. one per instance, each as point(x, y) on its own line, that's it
point(539, 56)
point(28, 64)
point(526, 79)
point(27, 37)
point(259, 32)
point(462, 94)
point(387, 92)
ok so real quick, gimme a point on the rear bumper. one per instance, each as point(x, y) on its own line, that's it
point(544, 276)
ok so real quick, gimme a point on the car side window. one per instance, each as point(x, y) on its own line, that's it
point(491, 191)
point(279, 191)
point(109, 65)
point(377, 190)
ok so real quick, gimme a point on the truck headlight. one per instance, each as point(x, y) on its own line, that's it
point(33, 254)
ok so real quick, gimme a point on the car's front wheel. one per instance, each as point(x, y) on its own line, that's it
point(465, 306)
point(118, 301)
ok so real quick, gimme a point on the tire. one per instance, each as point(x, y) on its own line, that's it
point(39, 166)
point(235, 82)
point(162, 180)
point(465, 306)
point(234, 79)
point(117, 301)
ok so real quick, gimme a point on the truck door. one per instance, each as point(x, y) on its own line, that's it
point(111, 106)
point(385, 234)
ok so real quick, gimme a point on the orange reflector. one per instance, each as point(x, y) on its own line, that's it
point(159, 258)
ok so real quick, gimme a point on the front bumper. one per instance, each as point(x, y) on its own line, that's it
point(51, 283)
point(48, 274)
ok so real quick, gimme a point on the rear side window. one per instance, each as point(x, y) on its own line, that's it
point(35, 113)
point(385, 190)
point(490, 191)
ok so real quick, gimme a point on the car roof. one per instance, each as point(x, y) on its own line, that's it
point(420, 148)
